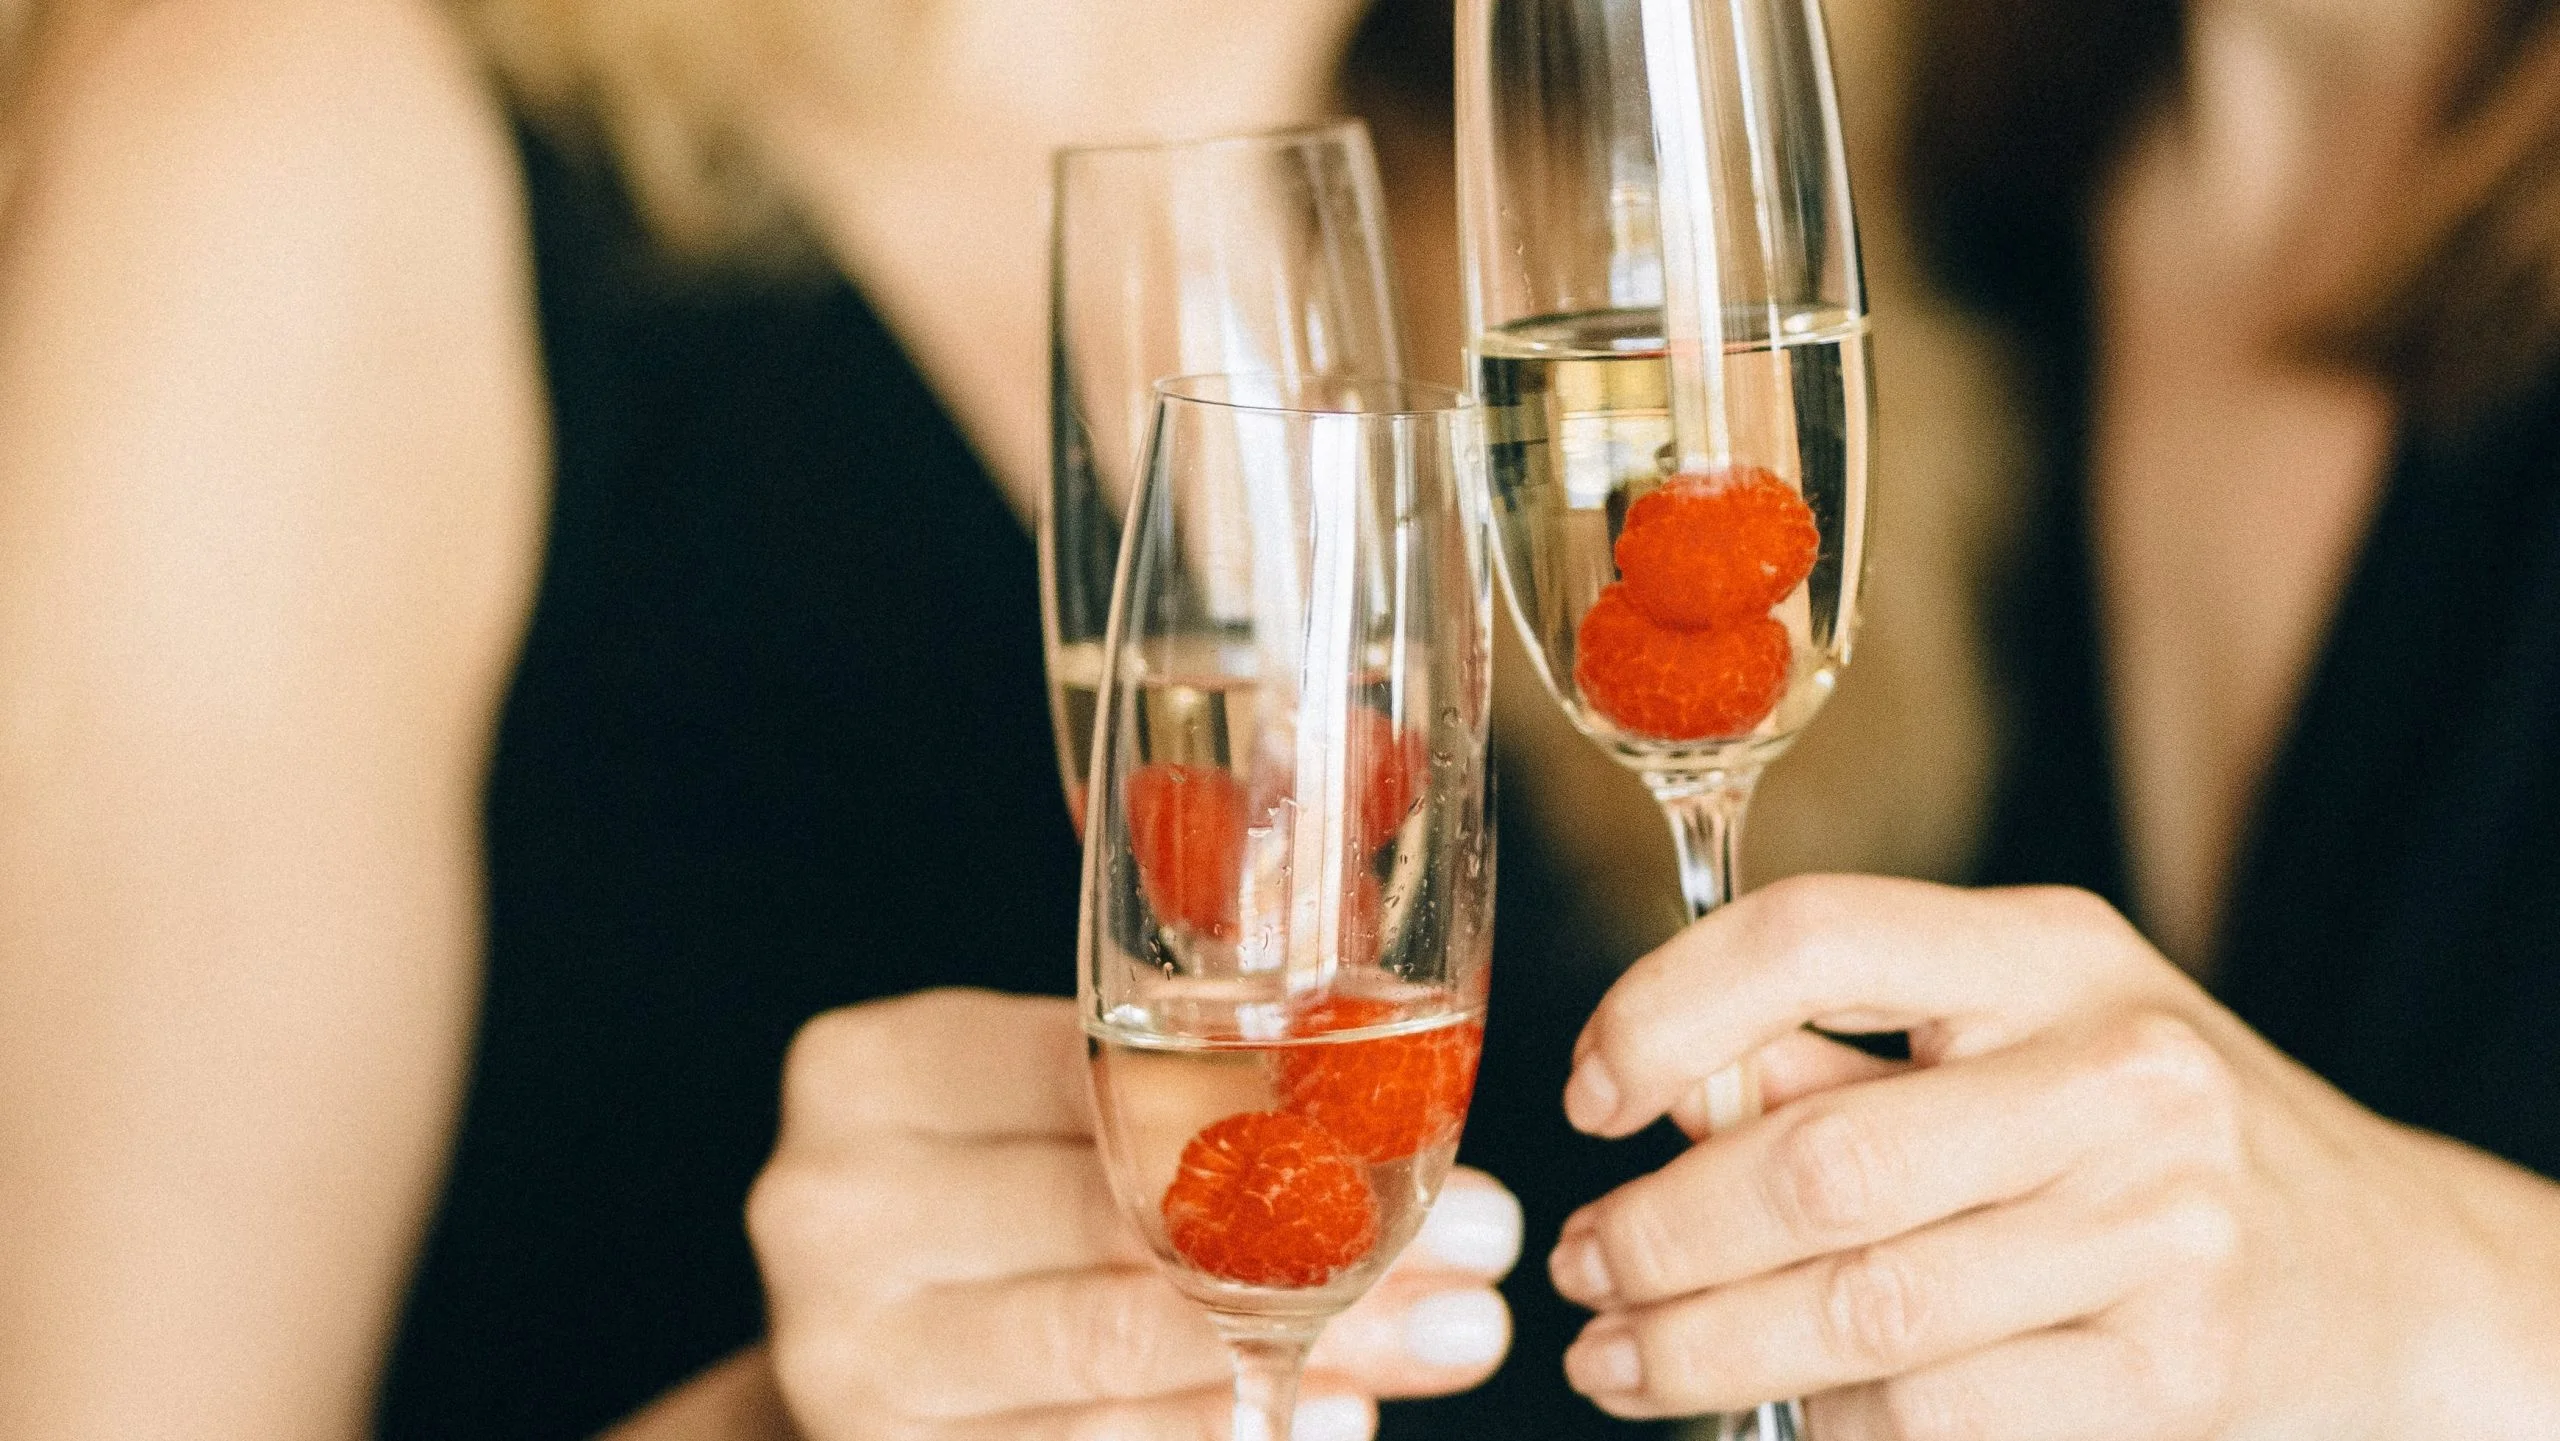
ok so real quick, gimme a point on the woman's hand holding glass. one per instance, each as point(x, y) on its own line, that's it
point(942, 1255)
point(2093, 1205)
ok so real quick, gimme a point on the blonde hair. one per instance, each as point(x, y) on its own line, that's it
point(655, 90)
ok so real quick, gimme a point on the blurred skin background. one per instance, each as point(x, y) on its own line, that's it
point(333, 405)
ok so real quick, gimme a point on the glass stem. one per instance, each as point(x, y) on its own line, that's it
point(1267, 1371)
point(1706, 828)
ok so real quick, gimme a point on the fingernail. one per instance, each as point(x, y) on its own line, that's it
point(1579, 1270)
point(1457, 1329)
point(1591, 1097)
point(1474, 1228)
point(1604, 1362)
point(1330, 1418)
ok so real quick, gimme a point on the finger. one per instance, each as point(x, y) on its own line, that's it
point(1473, 1231)
point(1415, 1336)
point(1965, 971)
point(2074, 1383)
point(1798, 1064)
point(1860, 1164)
point(1200, 1416)
point(1884, 1310)
point(1042, 1342)
point(922, 1211)
point(958, 1063)
point(1429, 1327)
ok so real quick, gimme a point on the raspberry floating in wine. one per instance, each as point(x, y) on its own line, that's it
point(1391, 768)
point(1679, 684)
point(1387, 1098)
point(1683, 647)
point(1267, 1198)
point(1186, 828)
point(1703, 550)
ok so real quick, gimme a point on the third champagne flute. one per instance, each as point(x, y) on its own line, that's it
point(1288, 871)
point(1262, 254)
point(1669, 337)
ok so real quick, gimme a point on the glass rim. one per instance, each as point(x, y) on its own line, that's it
point(1411, 398)
point(1273, 137)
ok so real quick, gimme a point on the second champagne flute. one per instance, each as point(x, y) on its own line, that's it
point(1288, 882)
point(1261, 254)
point(1670, 341)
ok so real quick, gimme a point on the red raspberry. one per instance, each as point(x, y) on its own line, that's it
point(1268, 1199)
point(1186, 826)
point(1702, 550)
point(1388, 769)
point(1678, 685)
point(1385, 1099)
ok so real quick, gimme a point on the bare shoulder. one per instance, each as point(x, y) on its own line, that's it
point(270, 256)
point(360, 115)
point(328, 95)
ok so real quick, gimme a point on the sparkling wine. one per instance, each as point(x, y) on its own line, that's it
point(1211, 877)
point(1196, 707)
point(1075, 672)
point(1579, 428)
point(1277, 1156)
point(1287, 888)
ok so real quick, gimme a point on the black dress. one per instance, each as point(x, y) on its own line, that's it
point(2394, 922)
point(2394, 917)
point(777, 743)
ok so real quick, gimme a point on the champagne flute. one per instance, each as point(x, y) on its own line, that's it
point(1288, 879)
point(1669, 337)
point(1262, 253)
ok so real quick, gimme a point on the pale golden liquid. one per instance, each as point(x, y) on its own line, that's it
point(1153, 1092)
point(1578, 426)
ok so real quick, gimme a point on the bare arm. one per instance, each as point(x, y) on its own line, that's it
point(270, 475)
